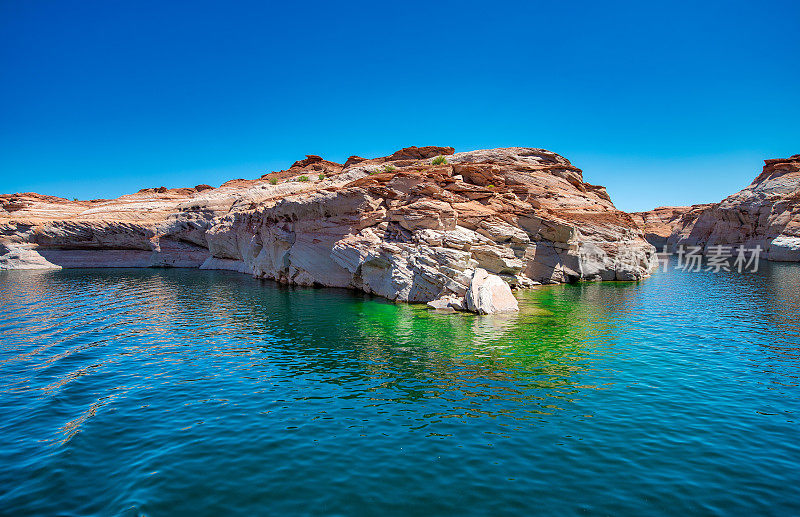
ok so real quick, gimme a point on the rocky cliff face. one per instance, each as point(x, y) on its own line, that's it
point(766, 213)
point(659, 223)
point(412, 227)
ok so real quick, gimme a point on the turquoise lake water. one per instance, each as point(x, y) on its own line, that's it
point(185, 392)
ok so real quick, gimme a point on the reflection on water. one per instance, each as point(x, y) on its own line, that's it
point(181, 391)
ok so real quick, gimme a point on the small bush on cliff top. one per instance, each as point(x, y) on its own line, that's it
point(303, 178)
point(321, 176)
point(389, 168)
point(273, 181)
point(439, 160)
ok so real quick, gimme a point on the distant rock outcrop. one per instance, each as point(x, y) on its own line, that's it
point(398, 226)
point(660, 222)
point(766, 213)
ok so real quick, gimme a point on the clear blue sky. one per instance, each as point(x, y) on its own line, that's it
point(662, 102)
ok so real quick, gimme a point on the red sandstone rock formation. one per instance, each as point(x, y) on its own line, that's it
point(396, 226)
point(659, 223)
point(766, 213)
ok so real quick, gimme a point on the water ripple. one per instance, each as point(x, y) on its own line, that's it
point(181, 391)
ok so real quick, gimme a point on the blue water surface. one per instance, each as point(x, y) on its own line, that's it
point(186, 392)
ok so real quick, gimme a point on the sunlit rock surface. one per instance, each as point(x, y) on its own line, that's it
point(414, 226)
point(766, 213)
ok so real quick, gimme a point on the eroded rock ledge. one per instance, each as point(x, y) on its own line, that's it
point(766, 213)
point(415, 226)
